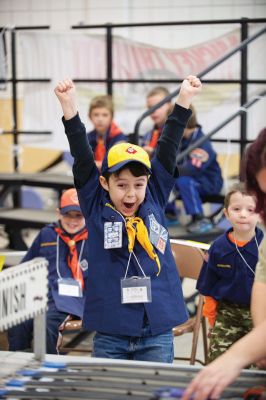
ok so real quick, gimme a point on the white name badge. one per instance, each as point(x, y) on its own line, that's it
point(112, 235)
point(136, 289)
point(69, 287)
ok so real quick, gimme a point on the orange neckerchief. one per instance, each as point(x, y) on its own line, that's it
point(239, 243)
point(210, 305)
point(72, 259)
point(155, 137)
point(114, 130)
point(100, 148)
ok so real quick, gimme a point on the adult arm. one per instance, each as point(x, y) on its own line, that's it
point(211, 381)
point(258, 297)
point(258, 302)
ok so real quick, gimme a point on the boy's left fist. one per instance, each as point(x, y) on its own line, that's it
point(192, 84)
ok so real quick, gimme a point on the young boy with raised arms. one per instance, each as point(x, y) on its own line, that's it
point(134, 296)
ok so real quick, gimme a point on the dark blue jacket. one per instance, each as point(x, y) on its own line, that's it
point(45, 245)
point(210, 172)
point(226, 276)
point(103, 309)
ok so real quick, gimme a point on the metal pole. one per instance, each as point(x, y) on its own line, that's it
point(17, 193)
point(14, 96)
point(109, 57)
point(244, 88)
point(39, 336)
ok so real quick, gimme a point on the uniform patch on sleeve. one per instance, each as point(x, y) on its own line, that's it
point(158, 234)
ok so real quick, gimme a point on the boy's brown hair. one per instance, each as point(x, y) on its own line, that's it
point(101, 102)
point(158, 90)
point(237, 187)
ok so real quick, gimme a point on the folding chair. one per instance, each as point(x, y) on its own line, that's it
point(189, 261)
point(78, 334)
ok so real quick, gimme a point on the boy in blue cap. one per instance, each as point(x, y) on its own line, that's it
point(64, 245)
point(134, 296)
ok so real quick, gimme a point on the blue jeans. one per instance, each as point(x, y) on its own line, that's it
point(156, 348)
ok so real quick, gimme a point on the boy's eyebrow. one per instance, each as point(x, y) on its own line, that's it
point(139, 178)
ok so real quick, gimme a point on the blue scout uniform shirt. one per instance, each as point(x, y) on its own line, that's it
point(209, 174)
point(104, 311)
point(45, 245)
point(225, 276)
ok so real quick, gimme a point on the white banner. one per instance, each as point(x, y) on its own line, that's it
point(23, 292)
point(79, 55)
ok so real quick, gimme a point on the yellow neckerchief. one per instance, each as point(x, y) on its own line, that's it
point(135, 228)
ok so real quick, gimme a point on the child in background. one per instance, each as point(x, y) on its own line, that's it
point(159, 117)
point(227, 275)
point(200, 174)
point(150, 139)
point(105, 133)
point(64, 245)
point(134, 295)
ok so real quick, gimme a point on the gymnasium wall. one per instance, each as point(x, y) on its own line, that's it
point(62, 52)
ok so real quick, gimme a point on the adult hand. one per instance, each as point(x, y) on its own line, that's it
point(211, 381)
point(261, 363)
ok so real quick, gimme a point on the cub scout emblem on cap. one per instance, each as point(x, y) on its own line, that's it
point(130, 150)
point(121, 154)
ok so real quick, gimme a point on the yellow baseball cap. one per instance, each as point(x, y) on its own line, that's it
point(123, 153)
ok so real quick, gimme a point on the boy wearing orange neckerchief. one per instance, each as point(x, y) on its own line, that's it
point(105, 133)
point(159, 116)
point(64, 245)
point(228, 272)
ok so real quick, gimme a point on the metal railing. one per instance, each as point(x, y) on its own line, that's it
point(241, 46)
point(110, 81)
point(241, 111)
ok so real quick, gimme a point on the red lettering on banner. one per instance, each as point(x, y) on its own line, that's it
point(173, 58)
point(132, 60)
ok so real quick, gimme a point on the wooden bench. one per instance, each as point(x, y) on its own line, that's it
point(17, 218)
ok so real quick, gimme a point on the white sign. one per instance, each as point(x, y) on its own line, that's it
point(23, 292)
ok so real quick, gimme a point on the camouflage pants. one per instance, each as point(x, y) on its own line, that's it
point(232, 322)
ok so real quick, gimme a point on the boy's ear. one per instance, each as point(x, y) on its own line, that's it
point(104, 183)
point(225, 213)
point(58, 212)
